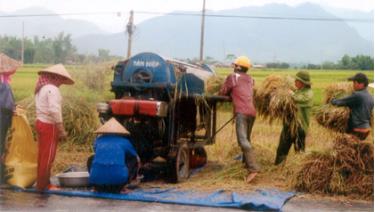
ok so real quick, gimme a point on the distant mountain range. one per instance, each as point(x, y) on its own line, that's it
point(366, 30)
point(47, 26)
point(263, 40)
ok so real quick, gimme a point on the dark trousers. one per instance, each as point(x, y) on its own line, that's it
point(286, 141)
point(244, 126)
point(5, 123)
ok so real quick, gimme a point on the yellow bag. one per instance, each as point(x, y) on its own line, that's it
point(22, 153)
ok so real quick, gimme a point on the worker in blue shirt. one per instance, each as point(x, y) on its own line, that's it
point(116, 161)
point(8, 67)
point(361, 105)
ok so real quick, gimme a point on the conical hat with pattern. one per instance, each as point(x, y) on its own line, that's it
point(112, 126)
point(58, 69)
point(7, 64)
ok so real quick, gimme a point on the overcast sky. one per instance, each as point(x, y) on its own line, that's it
point(113, 22)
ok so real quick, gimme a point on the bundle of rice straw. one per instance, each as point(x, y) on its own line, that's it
point(333, 117)
point(337, 90)
point(348, 169)
point(274, 102)
point(213, 85)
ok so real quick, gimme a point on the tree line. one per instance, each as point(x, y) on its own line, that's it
point(359, 62)
point(49, 50)
point(61, 50)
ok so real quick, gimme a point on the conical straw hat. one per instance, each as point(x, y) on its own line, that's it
point(112, 126)
point(7, 64)
point(58, 69)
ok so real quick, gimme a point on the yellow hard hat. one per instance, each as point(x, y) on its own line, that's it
point(243, 61)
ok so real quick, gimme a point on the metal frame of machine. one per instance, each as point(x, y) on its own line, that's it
point(162, 103)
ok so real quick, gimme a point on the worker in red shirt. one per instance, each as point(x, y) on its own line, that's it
point(239, 86)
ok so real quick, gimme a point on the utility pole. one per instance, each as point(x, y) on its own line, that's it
point(202, 32)
point(23, 42)
point(129, 29)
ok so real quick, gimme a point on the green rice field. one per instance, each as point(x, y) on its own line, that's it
point(25, 78)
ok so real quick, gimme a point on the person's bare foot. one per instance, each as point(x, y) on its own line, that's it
point(250, 177)
point(53, 187)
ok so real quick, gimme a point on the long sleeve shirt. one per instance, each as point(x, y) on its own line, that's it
point(240, 87)
point(303, 98)
point(109, 165)
point(361, 104)
point(48, 104)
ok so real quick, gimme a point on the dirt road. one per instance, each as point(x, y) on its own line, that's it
point(21, 201)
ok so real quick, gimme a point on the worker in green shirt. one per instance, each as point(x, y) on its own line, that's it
point(303, 97)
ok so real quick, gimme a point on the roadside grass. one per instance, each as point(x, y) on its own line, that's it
point(222, 170)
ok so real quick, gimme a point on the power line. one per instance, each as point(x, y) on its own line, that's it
point(262, 17)
point(198, 15)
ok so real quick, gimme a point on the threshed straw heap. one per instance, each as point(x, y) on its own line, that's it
point(333, 117)
point(347, 168)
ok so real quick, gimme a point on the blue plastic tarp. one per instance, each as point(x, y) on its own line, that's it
point(262, 199)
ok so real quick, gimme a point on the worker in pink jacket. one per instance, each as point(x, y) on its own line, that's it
point(239, 86)
point(49, 122)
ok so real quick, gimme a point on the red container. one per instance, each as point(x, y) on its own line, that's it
point(130, 107)
point(123, 107)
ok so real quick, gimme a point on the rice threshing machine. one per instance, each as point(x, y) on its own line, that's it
point(162, 103)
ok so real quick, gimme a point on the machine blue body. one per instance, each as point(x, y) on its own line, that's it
point(151, 71)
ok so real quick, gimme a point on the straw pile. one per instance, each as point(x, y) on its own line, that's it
point(274, 102)
point(80, 118)
point(333, 117)
point(347, 170)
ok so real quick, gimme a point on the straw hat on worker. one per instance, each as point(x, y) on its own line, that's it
point(8, 65)
point(59, 70)
point(112, 127)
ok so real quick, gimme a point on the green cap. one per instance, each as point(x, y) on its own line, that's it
point(304, 77)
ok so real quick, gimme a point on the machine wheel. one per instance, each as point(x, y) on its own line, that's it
point(179, 161)
point(198, 157)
